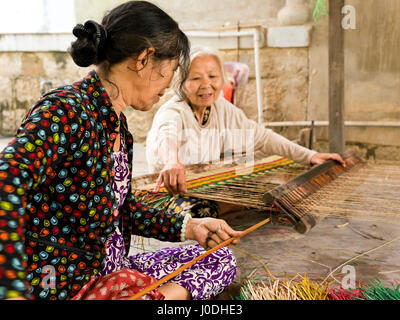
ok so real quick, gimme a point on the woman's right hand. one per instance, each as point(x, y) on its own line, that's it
point(173, 176)
point(210, 232)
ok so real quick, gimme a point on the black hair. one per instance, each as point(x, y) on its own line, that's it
point(128, 30)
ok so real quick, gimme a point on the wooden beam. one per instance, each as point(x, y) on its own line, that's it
point(336, 77)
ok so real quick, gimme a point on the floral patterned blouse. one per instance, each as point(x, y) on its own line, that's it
point(57, 203)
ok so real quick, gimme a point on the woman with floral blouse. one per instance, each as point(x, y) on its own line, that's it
point(66, 210)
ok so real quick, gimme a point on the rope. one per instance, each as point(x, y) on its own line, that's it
point(190, 263)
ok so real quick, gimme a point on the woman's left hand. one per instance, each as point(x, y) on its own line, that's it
point(210, 232)
point(319, 158)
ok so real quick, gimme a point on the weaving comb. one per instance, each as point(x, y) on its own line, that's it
point(287, 195)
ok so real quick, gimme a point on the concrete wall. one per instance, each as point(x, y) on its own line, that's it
point(372, 77)
point(23, 74)
point(196, 13)
point(294, 80)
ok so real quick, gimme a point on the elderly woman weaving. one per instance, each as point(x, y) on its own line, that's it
point(200, 126)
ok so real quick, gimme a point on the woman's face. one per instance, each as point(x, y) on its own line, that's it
point(144, 88)
point(155, 79)
point(204, 82)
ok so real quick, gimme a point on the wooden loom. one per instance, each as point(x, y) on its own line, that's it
point(290, 197)
point(307, 197)
point(362, 191)
point(268, 182)
point(241, 184)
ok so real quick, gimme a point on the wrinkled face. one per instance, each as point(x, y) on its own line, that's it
point(155, 78)
point(204, 82)
point(140, 83)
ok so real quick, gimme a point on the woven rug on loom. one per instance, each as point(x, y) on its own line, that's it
point(208, 180)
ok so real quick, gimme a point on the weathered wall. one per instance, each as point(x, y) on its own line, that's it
point(294, 80)
point(195, 13)
point(284, 74)
point(372, 77)
point(22, 74)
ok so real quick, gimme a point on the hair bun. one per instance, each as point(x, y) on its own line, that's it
point(96, 31)
point(88, 48)
point(80, 32)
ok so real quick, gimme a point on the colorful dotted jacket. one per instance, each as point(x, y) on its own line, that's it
point(57, 204)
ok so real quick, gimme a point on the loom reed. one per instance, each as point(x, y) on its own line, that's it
point(243, 186)
point(369, 193)
point(363, 191)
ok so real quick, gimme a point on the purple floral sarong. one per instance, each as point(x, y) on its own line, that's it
point(204, 280)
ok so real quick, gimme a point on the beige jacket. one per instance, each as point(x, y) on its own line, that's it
point(228, 129)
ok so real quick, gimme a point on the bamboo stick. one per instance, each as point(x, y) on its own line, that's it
point(190, 263)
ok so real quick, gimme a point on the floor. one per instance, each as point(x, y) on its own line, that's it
point(372, 250)
point(326, 249)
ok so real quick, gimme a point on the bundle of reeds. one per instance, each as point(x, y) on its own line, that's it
point(305, 289)
point(276, 289)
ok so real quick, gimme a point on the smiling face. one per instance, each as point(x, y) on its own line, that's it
point(205, 81)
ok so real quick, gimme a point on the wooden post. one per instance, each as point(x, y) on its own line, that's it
point(336, 77)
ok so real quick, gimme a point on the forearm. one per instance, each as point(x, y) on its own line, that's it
point(257, 138)
point(168, 151)
point(274, 143)
point(148, 222)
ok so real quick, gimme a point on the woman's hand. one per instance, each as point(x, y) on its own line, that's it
point(319, 158)
point(210, 232)
point(173, 176)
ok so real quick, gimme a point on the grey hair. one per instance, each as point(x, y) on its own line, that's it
point(178, 81)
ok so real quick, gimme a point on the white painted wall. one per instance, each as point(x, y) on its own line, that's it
point(37, 16)
point(196, 13)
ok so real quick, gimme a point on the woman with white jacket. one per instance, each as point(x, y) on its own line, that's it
point(201, 126)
